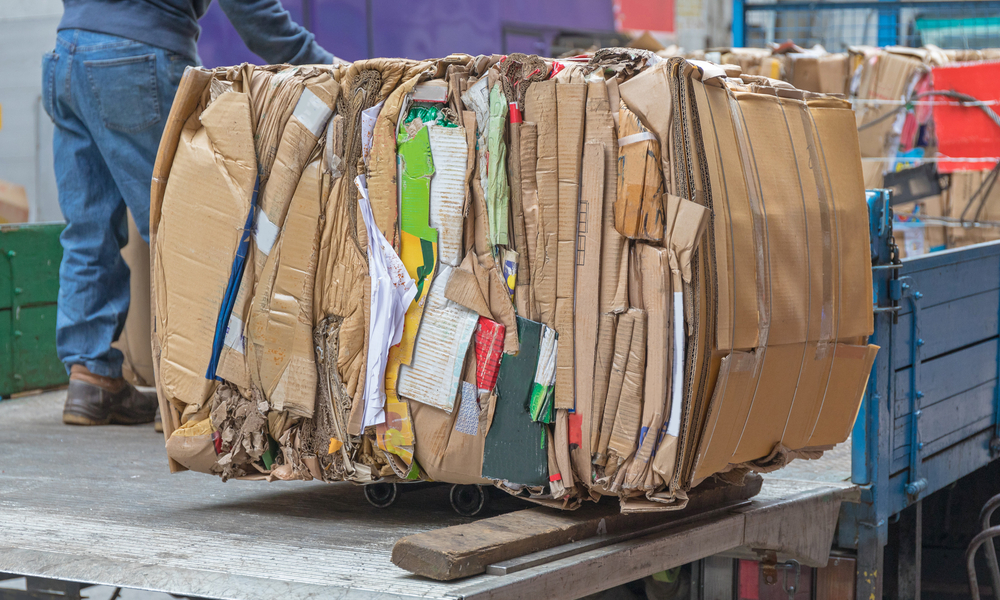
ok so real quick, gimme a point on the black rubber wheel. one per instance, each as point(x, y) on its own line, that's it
point(469, 500)
point(381, 495)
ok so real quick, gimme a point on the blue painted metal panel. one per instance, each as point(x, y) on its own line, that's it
point(932, 406)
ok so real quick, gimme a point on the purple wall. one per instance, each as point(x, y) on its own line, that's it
point(431, 28)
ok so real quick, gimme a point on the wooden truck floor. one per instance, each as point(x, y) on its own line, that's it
point(98, 505)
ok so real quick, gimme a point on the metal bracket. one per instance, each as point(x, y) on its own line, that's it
point(885, 254)
point(915, 485)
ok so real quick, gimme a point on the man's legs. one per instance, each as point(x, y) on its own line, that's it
point(109, 98)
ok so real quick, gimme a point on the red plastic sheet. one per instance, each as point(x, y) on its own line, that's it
point(489, 349)
point(966, 131)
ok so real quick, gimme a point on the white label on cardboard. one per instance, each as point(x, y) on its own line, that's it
point(234, 334)
point(708, 70)
point(446, 329)
point(265, 233)
point(635, 138)
point(368, 118)
point(676, 395)
point(449, 150)
point(312, 112)
point(913, 240)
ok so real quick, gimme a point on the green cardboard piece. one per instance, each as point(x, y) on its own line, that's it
point(513, 452)
point(415, 196)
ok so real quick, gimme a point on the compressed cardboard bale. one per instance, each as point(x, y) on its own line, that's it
point(758, 319)
point(886, 79)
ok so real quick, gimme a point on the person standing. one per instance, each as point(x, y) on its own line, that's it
point(108, 86)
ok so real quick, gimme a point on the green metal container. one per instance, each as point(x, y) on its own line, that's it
point(29, 288)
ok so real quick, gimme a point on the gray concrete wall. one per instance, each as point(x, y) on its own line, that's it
point(27, 31)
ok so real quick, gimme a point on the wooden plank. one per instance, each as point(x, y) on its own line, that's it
point(948, 327)
point(946, 376)
point(942, 469)
point(835, 581)
point(591, 572)
point(963, 278)
point(948, 416)
point(780, 529)
point(465, 550)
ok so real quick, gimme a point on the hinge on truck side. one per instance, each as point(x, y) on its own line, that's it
point(888, 291)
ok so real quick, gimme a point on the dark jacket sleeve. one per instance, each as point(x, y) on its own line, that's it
point(269, 32)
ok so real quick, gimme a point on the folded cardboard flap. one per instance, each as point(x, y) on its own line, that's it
point(134, 342)
point(212, 181)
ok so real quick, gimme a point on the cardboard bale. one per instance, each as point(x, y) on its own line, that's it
point(694, 300)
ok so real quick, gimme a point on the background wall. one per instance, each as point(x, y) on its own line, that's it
point(27, 31)
point(351, 29)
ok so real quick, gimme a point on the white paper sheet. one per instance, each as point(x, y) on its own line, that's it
point(446, 329)
point(368, 118)
point(392, 291)
point(449, 150)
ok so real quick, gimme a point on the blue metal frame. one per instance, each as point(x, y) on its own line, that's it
point(935, 315)
point(889, 14)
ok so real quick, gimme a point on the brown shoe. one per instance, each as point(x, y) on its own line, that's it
point(96, 400)
point(157, 420)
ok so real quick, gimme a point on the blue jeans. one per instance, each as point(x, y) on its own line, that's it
point(109, 98)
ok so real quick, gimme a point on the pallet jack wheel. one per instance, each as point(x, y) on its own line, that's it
point(469, 500)
point(381, 495)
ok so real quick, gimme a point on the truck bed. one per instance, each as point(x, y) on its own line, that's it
point(72, 508)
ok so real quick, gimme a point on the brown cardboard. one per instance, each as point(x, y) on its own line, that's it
point(771, 305)
point(619, 364)
point(540, 108)
point(187, 101)
point(311, 104)
point(13, 203)
point(638, 206)
point(648, 96)
point(529, 202)
point(827, 74)
point(571, 101)
point(280, 326)
point(192, 446)
point(588, 274)
point(814, 296)
point(656, 298)
point(737, 262)
point(885, 76)
point(600, 126)
point(446, 452)
point(625, 433)
point(197, 239)
point(134, 341)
